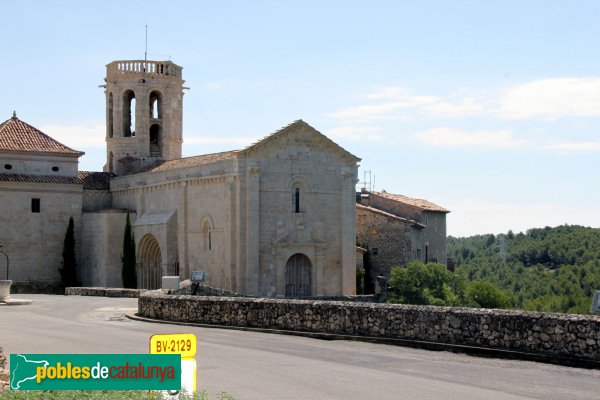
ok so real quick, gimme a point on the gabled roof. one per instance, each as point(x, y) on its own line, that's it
point(296, 124)
point(203, 159)
point(16, 135)
point(424, 205)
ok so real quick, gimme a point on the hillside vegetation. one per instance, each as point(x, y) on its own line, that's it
point(546, 269)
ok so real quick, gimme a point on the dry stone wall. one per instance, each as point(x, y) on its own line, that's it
point(542, 333)
point(103, 292)
point(4, 375)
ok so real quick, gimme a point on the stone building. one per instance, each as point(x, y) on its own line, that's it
point(274, 219)
point(397, 229)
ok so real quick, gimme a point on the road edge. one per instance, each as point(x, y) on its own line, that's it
point(432, 346)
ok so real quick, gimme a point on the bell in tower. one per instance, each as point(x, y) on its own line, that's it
point(143, 114)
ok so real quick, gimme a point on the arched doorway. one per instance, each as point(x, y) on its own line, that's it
point(149, 263)
point(298, 276)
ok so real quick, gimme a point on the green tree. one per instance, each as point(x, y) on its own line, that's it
point(68, 271)
point(485, 294)
point(545, 269)
point(128, 272)
point(420, 283)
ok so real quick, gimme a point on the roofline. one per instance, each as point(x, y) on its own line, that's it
point(391, 216)
point(390, 196)
point(44, 153)
point(285, 128)
point(235, 155)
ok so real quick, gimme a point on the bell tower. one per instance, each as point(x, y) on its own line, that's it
point(143, 114)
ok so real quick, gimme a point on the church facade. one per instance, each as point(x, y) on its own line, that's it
point(276, 218)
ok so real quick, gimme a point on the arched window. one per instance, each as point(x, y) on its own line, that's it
point(110, 115)
point(298, 193)
point(128, 113)
point(207, 234)
point(155, 105)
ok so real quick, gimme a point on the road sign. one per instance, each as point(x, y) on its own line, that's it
point(179, 343)
point(198, 276)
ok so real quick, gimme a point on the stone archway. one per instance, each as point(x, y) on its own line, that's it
point(149, 263)
point(298, 276)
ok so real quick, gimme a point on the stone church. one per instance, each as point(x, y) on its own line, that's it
point(276, 218)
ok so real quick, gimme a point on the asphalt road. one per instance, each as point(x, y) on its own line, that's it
point(251, 365)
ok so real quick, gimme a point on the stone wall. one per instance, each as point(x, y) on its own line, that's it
point(101, 246)
point(574, 336)
point(33, 241)
point(394, 207)
point(103, 292)
point(321, 228)
point(388, 239)
point(434, 238)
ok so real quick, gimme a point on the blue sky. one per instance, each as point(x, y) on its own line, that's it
point(488, 108)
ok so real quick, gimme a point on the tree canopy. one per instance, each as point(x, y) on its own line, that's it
point(433, 284)
point(545, 269)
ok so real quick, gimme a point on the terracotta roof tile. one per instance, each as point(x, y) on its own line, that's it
point(92, 180)
point(63, 180)
point(425, 205)
point(89, 180)
point(16, 135)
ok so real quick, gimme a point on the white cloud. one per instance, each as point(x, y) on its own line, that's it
point(382, 111)
point(457, 137)
point(359, 133)
point(463, 108)
point(78, 136)
point(397, 99)
point(553, 99)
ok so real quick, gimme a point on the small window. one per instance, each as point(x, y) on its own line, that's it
point(35, 205)
point(297, 201)
point(7, 166)
point(55, 169)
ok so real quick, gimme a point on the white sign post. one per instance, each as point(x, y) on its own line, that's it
point(178, 343)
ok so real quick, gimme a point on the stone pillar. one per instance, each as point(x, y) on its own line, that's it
point(252, 229)
point(348, 230)
point(318, 274)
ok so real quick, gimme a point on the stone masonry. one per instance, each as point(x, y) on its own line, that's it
point(566, 335)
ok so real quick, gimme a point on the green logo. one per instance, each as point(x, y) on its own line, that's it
point(95, 371)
